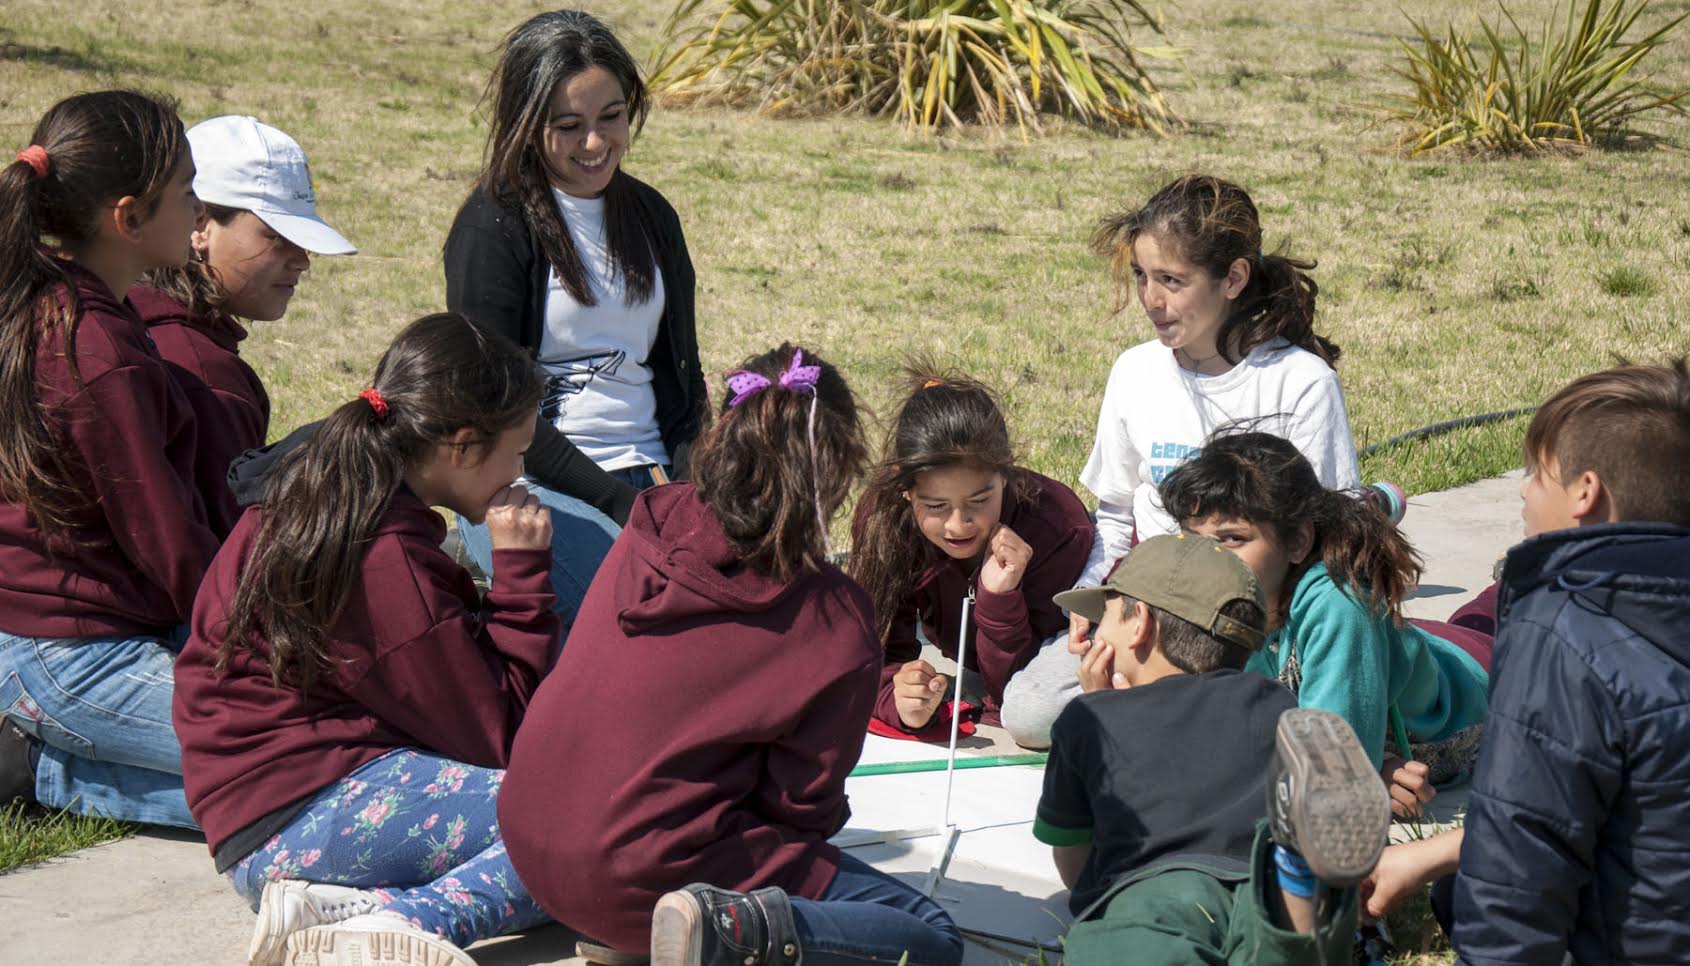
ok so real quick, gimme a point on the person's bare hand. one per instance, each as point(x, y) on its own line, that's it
point(1097, 669)
point(917, 690)
point(1006, 561)
point(1405, 869)
point(517, 520)
point(1079, 634)
point(1410, 786)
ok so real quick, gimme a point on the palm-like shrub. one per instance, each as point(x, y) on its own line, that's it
point(930, 62)
point(1574, 85)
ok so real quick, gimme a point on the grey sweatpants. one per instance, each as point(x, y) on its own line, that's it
point(1034, 697)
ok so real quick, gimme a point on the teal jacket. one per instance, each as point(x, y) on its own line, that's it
point(1355, 663)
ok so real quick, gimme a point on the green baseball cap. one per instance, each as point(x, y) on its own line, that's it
point(1190, 577)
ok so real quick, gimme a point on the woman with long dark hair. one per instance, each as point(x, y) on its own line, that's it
point(561, 251)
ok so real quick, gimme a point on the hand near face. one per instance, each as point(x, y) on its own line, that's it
point(1006, 561)
point(918, 691)
point(1097, 669)
point(517, 520)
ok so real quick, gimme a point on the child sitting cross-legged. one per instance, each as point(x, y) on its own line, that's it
point(1153, 796)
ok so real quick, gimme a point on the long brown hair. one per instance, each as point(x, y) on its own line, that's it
point(537, 56)
point(946, 420)
point(1213, 223)
point(324, 500)
point(773, 474)
point(1266, 480)
point(100, 147)
point(196, 285)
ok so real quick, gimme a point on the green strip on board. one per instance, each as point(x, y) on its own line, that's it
point(905, 767)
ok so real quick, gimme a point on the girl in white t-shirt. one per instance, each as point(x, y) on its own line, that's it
point(1235, 343)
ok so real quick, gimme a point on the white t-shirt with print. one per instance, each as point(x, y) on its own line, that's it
point(598, 385)
point(1155, 414)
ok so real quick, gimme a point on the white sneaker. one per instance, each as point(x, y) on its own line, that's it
point(289, 905)
point(373, 939)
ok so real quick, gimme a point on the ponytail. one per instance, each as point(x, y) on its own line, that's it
point(324, 501)
point(780, 461)
point(946, 420)
point(86, 152)
point(1364, 552)
point(1264, 479)
point(1214, 223)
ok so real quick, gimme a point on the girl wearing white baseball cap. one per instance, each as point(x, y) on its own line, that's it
point(259, 232)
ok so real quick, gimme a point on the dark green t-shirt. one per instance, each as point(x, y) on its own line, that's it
point(1177, 767)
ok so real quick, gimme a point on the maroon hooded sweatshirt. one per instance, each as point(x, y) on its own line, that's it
point(137, 552)
point(425, 664)
point(699, 728)
point(230, 405)
point(1007, 628)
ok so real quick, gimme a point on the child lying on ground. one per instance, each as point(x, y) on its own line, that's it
point(1155, 787)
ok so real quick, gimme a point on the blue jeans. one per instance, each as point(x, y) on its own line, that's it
point(581, 537)
point(868, 916)
point(420, 831)
point(101, 709)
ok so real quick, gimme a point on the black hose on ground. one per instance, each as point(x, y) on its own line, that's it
point(1438, 429)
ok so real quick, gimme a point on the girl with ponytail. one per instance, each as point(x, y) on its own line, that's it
point(1335, 572)
point(1234, 341)
point(347, 699)
point(103, 539)
point(689, 754)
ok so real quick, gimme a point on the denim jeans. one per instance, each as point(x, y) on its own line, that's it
point(581, 537)
point(417, 828)
point(101, 709)
point(868, 916)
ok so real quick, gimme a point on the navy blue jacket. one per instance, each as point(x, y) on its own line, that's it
point(1578, 832)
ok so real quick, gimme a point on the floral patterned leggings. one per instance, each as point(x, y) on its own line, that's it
point(417, 829)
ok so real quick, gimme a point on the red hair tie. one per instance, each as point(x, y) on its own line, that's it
point(377, 403)
point(36, 157)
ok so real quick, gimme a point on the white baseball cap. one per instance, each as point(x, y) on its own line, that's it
point(240, 162)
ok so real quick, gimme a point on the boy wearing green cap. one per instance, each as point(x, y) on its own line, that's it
point(1154, 793)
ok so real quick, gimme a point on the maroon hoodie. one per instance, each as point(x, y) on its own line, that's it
point(230, 405)
point(699, 728)
point(1008, 628)
point(134, 559)
point(425, 663)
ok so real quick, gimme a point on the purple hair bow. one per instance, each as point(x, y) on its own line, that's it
point(797, 378)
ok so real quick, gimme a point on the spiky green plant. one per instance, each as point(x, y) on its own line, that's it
point(930, 62)
point(1571, 86)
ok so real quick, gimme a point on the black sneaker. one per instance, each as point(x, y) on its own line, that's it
point(1324, 800)
point(705, 926)
point(17, 775)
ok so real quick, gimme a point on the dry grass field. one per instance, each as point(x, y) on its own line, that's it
point(1456, 286)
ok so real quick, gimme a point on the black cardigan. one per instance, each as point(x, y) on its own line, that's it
point(496, 275)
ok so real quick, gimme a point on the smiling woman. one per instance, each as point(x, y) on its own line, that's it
point(561, 251)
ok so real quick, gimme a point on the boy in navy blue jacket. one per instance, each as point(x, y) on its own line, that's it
point(1578, 832)
point(1579, 829)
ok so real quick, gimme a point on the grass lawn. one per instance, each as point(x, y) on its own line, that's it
point(1454, 286)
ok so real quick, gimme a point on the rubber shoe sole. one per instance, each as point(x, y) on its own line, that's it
point(335, 946)
point(677, 930)
point(601, 955)
point(1330, 796)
